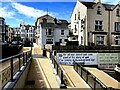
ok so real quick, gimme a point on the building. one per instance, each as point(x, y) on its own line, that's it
point(2, 30)
point(50, 30)
point(95, 23)
point(10, 34)
point(27, 32)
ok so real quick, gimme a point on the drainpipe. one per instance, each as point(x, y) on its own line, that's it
point(109, 31)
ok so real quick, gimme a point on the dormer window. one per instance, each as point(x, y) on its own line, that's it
point(99, 10)
point(118, 12)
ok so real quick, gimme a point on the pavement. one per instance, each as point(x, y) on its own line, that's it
point(104, 78)
point(45, 70)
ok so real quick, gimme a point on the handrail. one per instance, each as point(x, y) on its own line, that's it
point(14, 66)
point(94, 77)
point(59, 71)
point(5, 59)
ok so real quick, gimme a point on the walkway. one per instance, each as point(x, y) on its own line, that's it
point(45, 70)
point(104, 78)
point(75, 80)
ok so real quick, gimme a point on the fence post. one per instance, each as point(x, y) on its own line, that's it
point(26, 58)
point(19, 62)
point(11, 64)
point(62, 85)
point(23, 59)
point(57, 69)
point(87, 77)
point(94, 83)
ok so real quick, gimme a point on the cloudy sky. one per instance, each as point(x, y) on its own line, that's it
point(27, 11)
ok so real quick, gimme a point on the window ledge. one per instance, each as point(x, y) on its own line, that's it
point(99, 30)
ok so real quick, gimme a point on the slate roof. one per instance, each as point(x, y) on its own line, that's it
point(57, 23)
point(91, 4)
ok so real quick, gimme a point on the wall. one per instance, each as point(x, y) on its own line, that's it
point(92, 16)
point(103, 60)
point(79, 7)
point(22, 80)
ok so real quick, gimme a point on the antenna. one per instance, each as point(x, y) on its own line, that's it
point(47, 11)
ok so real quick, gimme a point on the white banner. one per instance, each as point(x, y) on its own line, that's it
point(86, 58)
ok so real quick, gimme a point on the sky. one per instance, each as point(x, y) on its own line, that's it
point(17, 11)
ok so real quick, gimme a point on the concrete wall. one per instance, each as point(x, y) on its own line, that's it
point(22, 80)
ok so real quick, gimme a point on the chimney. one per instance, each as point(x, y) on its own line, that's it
point(96, 1)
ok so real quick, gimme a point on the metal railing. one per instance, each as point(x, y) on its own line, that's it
point(59, 71)
point(11, 65)
point(72, 47)
point(90, 79)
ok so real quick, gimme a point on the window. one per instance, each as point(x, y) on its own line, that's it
point(99, 10)
point(62, 32)
point(75, 29)
point(0, 22)
point(118, 12)
point(81, 40)
point(117, 26)
point(117, 40)
point(78, 15)
point(75, 16)
point(49, 41)
point(99, 40)
point(65, 40)
point(98, 25)
point(49, 31)
point(60, 40)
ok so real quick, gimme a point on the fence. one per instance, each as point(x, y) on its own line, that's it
point(59, 71)
point(72, 47)
point(11, 65)
point(90, 79)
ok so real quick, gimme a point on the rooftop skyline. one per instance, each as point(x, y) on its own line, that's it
point(23, 11)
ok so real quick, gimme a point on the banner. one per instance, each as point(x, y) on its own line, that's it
point(86, 58)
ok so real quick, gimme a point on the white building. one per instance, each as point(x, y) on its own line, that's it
point(51, 30)
point(27, 32)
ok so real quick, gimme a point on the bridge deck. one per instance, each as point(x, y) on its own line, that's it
point(74, 78)
point(104, 78)
point(45, 68)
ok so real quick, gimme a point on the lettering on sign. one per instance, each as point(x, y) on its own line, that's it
point(68, 58)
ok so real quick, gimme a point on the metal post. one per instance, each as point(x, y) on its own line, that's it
point(11, 64)
point(94, 83)
point(26, 58)
point(23, 59)
point(62, 85)
point(57, 69)
point(19, 63)
point(87, 77)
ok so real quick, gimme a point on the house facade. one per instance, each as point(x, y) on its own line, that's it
point(27, 32)
point(95, 23)
point(50, 30)
point(2, 30)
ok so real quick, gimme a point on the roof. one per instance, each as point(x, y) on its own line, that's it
point(53, 25)
point(46, 17)
point(2, 18)
point(91, 4)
